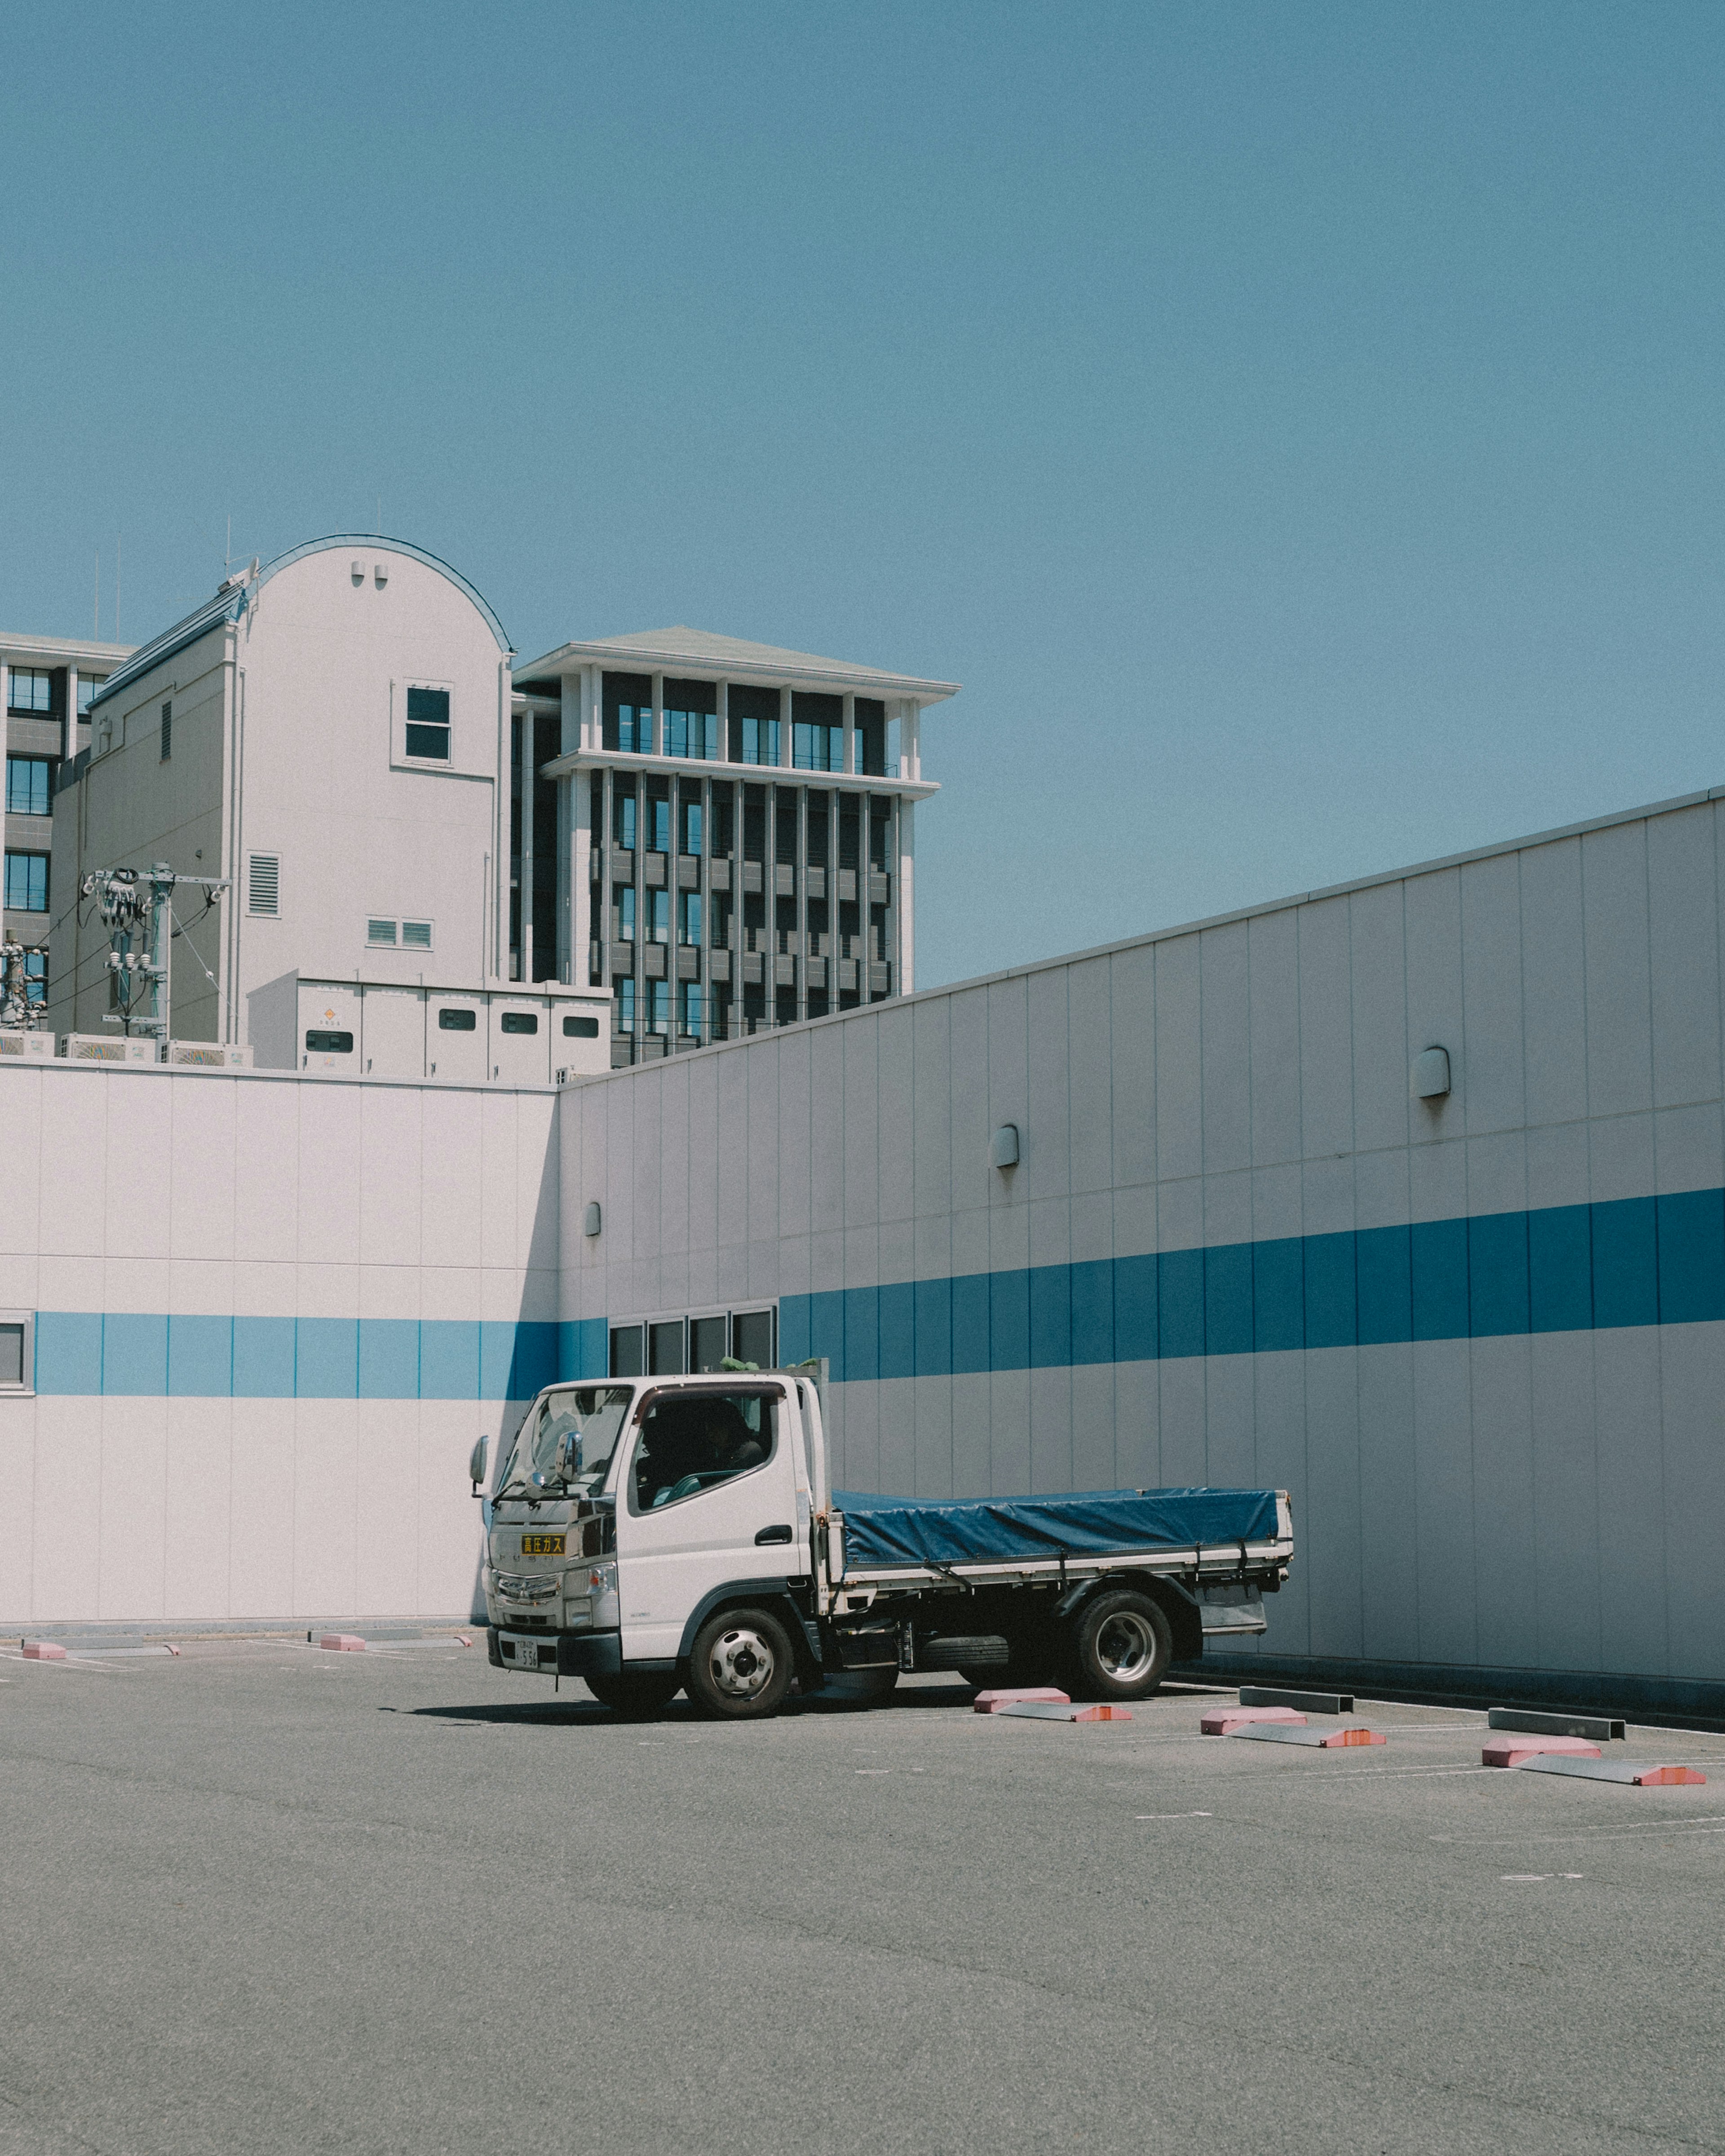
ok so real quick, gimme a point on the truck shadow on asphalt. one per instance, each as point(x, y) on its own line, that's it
point(575, 1713)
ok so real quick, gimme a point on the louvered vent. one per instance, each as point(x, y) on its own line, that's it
point(263, 883)
point(416, 935)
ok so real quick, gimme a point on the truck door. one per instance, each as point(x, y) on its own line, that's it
point(707, 1498)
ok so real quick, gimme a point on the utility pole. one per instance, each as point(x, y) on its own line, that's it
point(132, 901)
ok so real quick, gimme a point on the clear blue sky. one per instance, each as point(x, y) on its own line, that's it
point(1310, 416)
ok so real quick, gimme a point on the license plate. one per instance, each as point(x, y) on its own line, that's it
point(541, 1545)
point(527, 1654)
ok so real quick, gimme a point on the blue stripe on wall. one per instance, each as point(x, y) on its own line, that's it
point(1565, 1268)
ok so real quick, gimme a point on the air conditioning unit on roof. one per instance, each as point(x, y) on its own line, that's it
point(14, 1040)
point(210, 1054)
point(109, 1048)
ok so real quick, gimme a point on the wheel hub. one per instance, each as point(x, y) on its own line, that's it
point(741, 1664)
point(1125, 1646)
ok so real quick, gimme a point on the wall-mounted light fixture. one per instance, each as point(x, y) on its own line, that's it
point(380, 575)
point(1003, 1148)
point(590, 1218)
point(1431, 1074)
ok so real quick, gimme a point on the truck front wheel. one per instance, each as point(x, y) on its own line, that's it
point(1125, 1644)
point(741, 1665)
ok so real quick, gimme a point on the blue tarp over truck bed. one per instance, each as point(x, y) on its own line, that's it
point(908, 1531)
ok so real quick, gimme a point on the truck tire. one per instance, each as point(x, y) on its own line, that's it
point(1123, 1645)
point(741, 1665)
point(640, 1691)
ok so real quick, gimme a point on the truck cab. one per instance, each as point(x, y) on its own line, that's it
point(626, 1512)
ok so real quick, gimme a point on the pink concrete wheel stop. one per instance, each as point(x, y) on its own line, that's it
point(343, 1643)
point(43, 1650)
point(1503, 1750)
point(1054, 1710)
point(1635, 1774)
point(1220, 1721)
point(991, 1702)
point(1320, 1740)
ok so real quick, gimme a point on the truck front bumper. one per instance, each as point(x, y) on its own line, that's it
point(565, 1654)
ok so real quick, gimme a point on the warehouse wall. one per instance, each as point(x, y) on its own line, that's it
point(1482, 1340)
point(271, 1315)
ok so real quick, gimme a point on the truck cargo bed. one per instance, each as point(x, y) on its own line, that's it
point(881, 1533)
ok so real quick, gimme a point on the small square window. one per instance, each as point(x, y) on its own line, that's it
point(428, 727)
point(18, 1351)
point(520, 1021)
point(381, 934)
point(453, 1019)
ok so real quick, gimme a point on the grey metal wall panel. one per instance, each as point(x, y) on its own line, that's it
point(1326, 1031)
point(1492, 995)
point(1090, 1075)
point(1379, 1015)
point(1273, 943)
point(1132, 1018)
point(897, 1082)
point(1619, 1021)
point(1553, 982)
point(931, 1114)
point(1179, 1059)
point(1225, 1040)
point(1683, 950)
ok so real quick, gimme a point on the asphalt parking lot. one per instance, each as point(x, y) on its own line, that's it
point(262, 1897)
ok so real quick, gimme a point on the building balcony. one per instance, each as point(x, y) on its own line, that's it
point(654, 875)
point(718, 965)
point(688, 964)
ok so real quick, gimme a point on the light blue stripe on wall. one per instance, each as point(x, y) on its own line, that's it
point(1629, 1261)
point(327, 1358)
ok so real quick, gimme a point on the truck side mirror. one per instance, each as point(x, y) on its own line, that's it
point(568, 1460)
point(476, 1463)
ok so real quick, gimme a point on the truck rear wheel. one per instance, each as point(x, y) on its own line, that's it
point(641, 1692)
point(1124, 1645)
point(741, 1665)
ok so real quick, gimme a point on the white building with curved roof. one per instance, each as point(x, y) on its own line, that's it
point(329, 734)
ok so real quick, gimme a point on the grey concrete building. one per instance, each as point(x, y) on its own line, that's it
point(720, 834)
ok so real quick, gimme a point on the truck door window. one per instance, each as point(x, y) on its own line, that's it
point(692, 1442)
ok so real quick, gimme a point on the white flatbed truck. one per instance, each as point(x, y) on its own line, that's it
point(652, 1534)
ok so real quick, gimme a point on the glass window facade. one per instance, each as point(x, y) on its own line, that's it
point(29, 785)
point(626, 1005)
point(88, 684)
point(657, 916)
point(870, 737)
point(689, 835)
point(689, 1016)
point(627, 714)
point(659, 824)
point(623, 817)
point(817, 732)
point(688, 917)
point(692, 720)
point(626, 912)
point(754, 725)
point(659, 1006)
point(27, 883)
point(31, 690)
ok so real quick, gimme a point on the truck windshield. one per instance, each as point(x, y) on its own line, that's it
point(596, 1412)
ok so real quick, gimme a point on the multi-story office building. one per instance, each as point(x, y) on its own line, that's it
point(46, 684)
point(719, 834)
